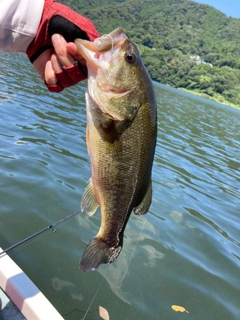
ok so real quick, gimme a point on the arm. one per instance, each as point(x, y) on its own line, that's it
point(19, 21)
point(52, 60)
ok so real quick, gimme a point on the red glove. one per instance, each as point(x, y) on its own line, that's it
point(58, 18)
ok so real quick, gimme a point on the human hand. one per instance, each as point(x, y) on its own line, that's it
point(54, 56)
point(61, 66)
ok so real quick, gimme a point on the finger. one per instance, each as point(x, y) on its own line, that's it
point(56, 64)
point(50, 77)
point(63, 55)
point(40, 63)
point(73, 51)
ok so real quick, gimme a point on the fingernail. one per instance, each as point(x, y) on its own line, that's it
point(56, 39)
point(49, 65)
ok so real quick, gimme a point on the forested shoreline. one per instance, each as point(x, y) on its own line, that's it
point(183, 44)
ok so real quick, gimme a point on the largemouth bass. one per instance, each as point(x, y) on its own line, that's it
point(121, 138)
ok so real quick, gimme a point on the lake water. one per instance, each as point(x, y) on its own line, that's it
point(184, 252)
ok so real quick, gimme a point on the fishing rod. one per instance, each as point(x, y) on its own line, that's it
point(51, 226)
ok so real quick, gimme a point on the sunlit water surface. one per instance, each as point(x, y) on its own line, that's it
point(185, 251)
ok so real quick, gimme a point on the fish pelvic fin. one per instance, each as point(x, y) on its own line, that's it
point(144, 206)
point(89, 201)
point(98, 252)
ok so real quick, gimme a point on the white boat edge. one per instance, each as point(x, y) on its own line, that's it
point(22, 291)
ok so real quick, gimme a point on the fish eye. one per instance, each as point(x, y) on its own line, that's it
point(130, 57)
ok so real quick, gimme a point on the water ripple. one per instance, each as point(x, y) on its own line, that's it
point(186, 251)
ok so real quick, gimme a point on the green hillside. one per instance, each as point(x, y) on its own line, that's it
point(183, 44)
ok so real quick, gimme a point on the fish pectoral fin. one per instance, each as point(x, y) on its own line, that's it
point(98, 252)
point(144, 206)
point(89, 201)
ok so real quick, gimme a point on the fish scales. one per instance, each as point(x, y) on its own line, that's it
point(117, 167)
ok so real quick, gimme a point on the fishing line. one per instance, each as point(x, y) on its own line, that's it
point(108, 35)
point(143, 225)
point(38, 233)
point(93, 299)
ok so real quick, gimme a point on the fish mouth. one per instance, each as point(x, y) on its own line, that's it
point(103, 43)
point(103, 50)
point(89, 52)
point(108, 41)
point(98, 55)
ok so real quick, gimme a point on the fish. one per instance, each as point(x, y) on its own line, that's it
point(121, 133)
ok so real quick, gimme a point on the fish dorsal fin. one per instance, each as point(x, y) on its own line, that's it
point(89, 201)
point(144, 206)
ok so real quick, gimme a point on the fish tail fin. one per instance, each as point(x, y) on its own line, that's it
point(98, 252)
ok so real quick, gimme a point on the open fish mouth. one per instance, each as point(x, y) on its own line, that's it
point(103, 54)
point(103, 49)
point(108, 41)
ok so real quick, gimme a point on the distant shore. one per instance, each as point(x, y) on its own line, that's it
point(217, 98)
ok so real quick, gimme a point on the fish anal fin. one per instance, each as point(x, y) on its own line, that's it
point(98, 252)
point(89, 201)
point(144, 206)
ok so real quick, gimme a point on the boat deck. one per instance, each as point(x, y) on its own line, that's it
point(19, 297)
